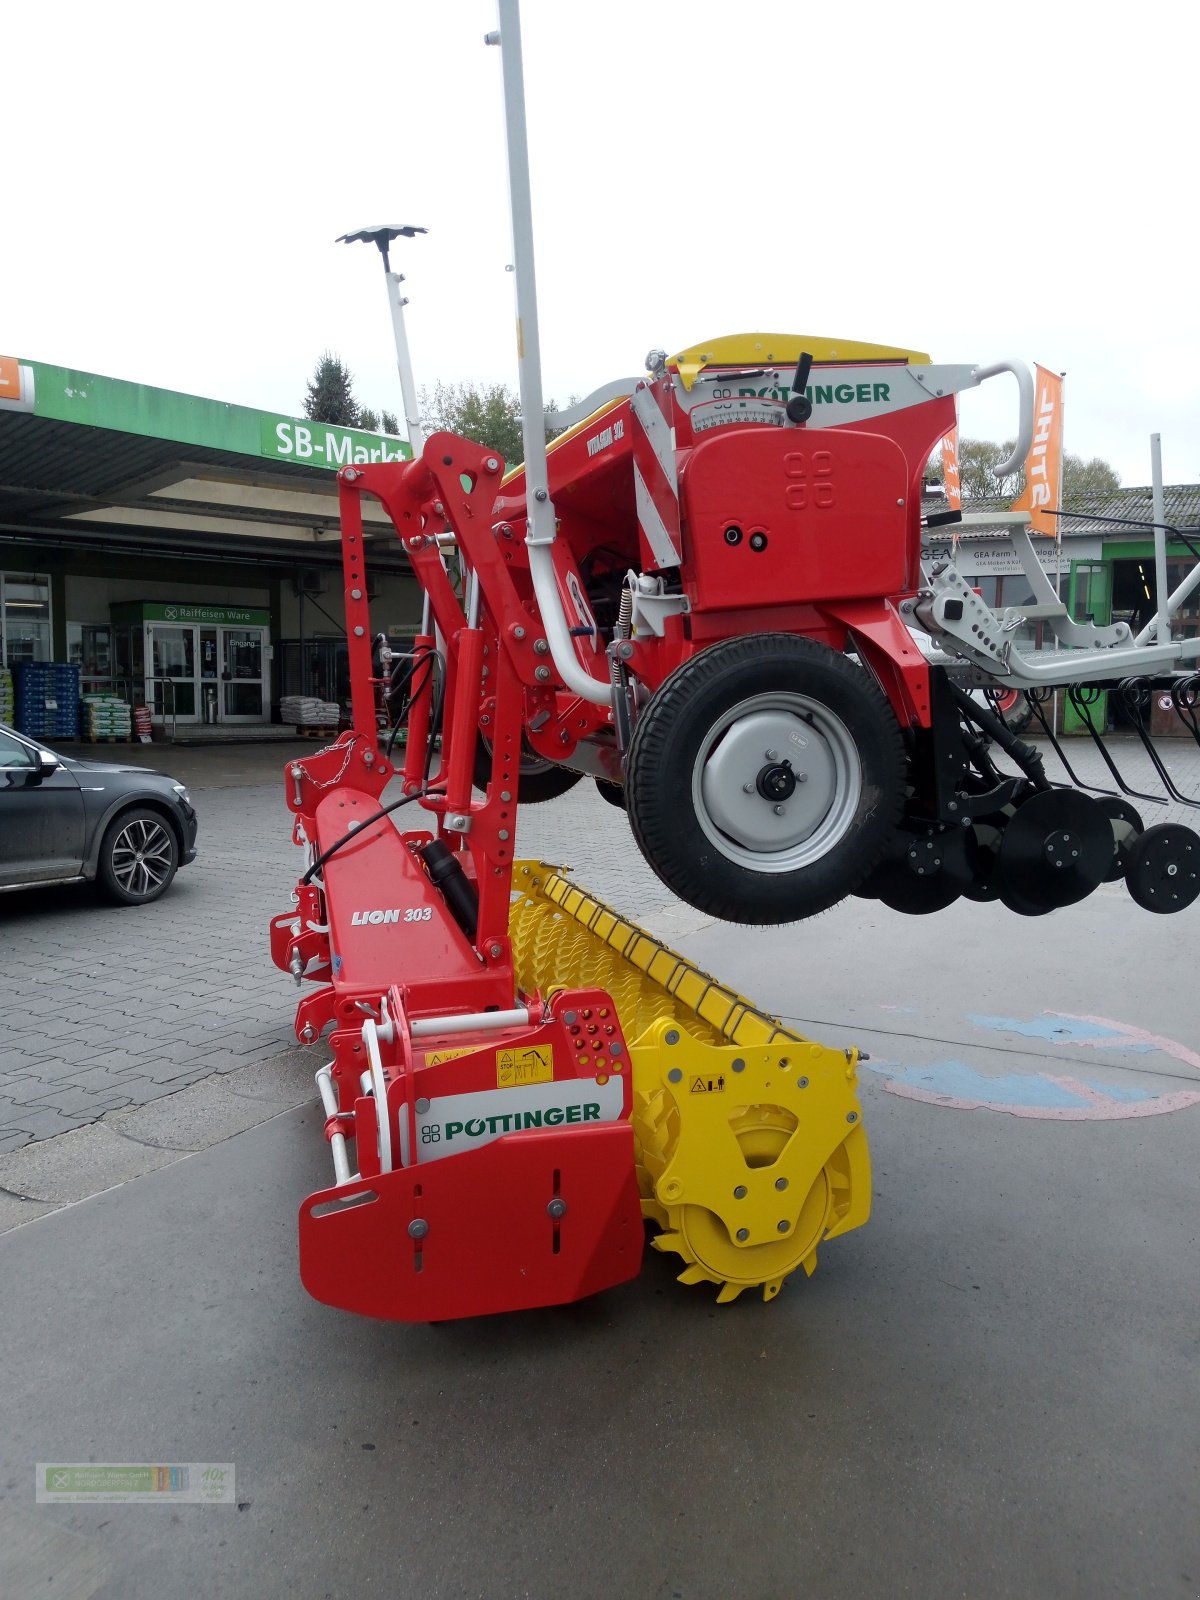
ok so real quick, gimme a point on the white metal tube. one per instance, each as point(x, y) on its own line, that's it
point(469, 1022)
point(1024, 377)
point(539, 506)
point(1160, 540)
point(337, 1141)
point(529, 355)
point(412, 419)
point(1187, 588)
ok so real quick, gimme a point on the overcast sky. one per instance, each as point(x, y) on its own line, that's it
point(974, 181)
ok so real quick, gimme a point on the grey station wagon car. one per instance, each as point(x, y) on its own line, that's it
point(64, 819)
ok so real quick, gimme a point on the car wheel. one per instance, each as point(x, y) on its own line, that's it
point(138, 857)
point(765, 778)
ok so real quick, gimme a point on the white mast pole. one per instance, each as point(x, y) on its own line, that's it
point(1160, 540)
point(541, 529)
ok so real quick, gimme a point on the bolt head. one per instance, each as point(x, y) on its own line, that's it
point(418, 1228)
point(557, 1208)
point(672, 1036)
point(742, 1235)
point(495, 951)
point(541, 673)
point(740, 1192)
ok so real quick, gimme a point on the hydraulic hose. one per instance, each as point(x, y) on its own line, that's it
point(1025, 756)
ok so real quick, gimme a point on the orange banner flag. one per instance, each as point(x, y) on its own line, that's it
point(950, 470)
point(1044, 463)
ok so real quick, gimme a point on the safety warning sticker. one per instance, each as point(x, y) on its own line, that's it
point(709, 1085)
point(436, 1057)
point(527, 1064)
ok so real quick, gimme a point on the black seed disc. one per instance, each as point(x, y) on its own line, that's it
point(930, 873)
point(1162, 871)
point(983, 842)
point(1127, 826)
point(1054, 852)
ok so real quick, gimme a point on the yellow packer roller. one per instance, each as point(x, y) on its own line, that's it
point(749, 1137)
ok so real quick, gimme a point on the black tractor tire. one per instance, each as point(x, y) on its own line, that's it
point(139, 855)
point(539, 779)
point(765, 779)
point(1015, 708)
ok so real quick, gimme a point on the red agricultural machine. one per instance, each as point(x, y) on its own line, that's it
point(708, 596)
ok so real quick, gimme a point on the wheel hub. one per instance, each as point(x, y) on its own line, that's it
point(774, 780)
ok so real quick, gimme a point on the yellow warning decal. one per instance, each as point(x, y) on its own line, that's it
point(526, 1064)
point(709, 1085)
point(436, 1057)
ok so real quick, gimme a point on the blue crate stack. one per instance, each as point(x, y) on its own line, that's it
point(48, 700)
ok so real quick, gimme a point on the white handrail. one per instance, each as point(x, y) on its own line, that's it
point(1024, 377)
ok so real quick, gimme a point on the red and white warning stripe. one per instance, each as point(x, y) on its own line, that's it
point(655, 475)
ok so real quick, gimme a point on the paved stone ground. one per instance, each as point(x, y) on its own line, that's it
point(107, 1008)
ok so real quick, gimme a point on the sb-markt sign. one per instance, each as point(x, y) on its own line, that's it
point(320, 444)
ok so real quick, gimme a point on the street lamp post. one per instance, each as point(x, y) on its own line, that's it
point(382, 238)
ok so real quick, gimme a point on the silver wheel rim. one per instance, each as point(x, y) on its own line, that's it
point(771, 728)
point(142, 856)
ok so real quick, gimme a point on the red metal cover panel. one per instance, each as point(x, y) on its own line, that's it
point(777, 516)
point(477, 1233)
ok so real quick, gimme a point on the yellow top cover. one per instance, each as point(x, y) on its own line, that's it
point(779, 349)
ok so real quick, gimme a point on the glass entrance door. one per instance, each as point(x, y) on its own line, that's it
point(243, 688)
point(171, 679)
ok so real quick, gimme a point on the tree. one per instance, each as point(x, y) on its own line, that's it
point(979, 458)
point(1094, 477)
point(330, 395)
point(490, 414)
point(977, 475)
point(331, 399)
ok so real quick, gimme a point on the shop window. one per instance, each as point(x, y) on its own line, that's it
point(24, 618)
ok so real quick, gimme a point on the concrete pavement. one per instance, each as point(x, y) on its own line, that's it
point(989, 1391)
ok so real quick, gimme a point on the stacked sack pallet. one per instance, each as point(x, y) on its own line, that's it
point(309, 714)
point(106, 719)
point(47, 703)
point(7, 700)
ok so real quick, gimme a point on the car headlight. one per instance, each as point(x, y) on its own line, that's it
point(181, 790)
